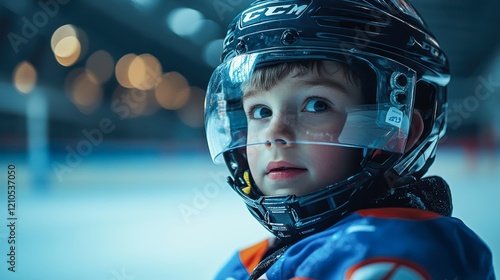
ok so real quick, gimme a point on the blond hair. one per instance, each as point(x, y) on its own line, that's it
point(265, 78)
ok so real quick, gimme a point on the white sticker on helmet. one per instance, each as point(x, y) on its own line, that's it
point(394, 117)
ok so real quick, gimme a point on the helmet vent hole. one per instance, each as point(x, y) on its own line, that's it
point(398, 80)
point(229, 40)
point(289, 37)
point(241, 47)
point(398, 98)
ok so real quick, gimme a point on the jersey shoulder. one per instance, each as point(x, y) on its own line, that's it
point(241, 264)
point(416, 243)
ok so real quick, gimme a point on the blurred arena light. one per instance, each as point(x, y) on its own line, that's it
point(122, 70)
point(69, 44)
point(192, 113)
point(101, 63)
point(86, 92)
point(191, 24)
point(172, 92)
point(70, 79)
point(144, 71)
point(184, 21)
point(212, 52)
point(62, 32)
point(67, 51)
point(25, 76)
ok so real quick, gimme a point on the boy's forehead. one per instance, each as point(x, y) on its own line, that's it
point(332, 74)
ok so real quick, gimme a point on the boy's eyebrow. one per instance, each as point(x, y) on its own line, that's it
point(249, 94)
point(315, 81)
point(320, 81)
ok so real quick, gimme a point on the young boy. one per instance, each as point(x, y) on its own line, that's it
point(327, 114)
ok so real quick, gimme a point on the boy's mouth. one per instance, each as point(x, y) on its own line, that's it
point(282, 170)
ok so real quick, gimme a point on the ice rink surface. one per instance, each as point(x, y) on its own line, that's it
point(171, 216)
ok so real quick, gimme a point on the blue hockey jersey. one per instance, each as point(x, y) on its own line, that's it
point(380, 243)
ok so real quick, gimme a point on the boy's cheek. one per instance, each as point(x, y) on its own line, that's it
point(252, 152)
point(330, 162)
point(252, 158)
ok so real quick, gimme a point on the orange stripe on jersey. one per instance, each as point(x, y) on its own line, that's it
point(251, 256)
point(395, 212)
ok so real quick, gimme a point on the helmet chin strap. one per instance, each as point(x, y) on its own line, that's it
point(291, 217)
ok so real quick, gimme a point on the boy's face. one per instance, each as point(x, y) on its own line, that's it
point(308, 107)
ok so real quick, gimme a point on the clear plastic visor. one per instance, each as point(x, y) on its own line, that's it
point(248, 104)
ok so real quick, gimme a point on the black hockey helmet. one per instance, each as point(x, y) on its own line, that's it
point(385, 38)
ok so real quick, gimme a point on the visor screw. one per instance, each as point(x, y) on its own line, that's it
point(398, 98)
point(289, 37)
point(241, 47)
point(233, 165)
point(399, 80)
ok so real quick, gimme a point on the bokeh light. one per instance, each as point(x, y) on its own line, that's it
point(68, 44)
point(62, 32)
point(192, 113)
point(70, 79)
point(67, 51)
point(67, 47)
point(212, 52)
point(101, 63)
point(172, 92)
point(24, 77)
point(144, 71)
point(86, 92)
point(184, 21)
point(84, 42)
point(122, 70)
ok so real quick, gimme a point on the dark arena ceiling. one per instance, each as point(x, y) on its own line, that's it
point(183, 38)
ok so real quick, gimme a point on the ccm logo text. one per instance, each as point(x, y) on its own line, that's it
point(274, 11)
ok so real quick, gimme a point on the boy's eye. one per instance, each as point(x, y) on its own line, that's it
point(261, 112)
point(316, 105)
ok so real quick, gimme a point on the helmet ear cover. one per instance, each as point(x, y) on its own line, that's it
point(431, 103)
point(425, 102)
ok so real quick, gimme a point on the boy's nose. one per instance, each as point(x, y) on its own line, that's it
point(281, 131)
point(276, 142)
